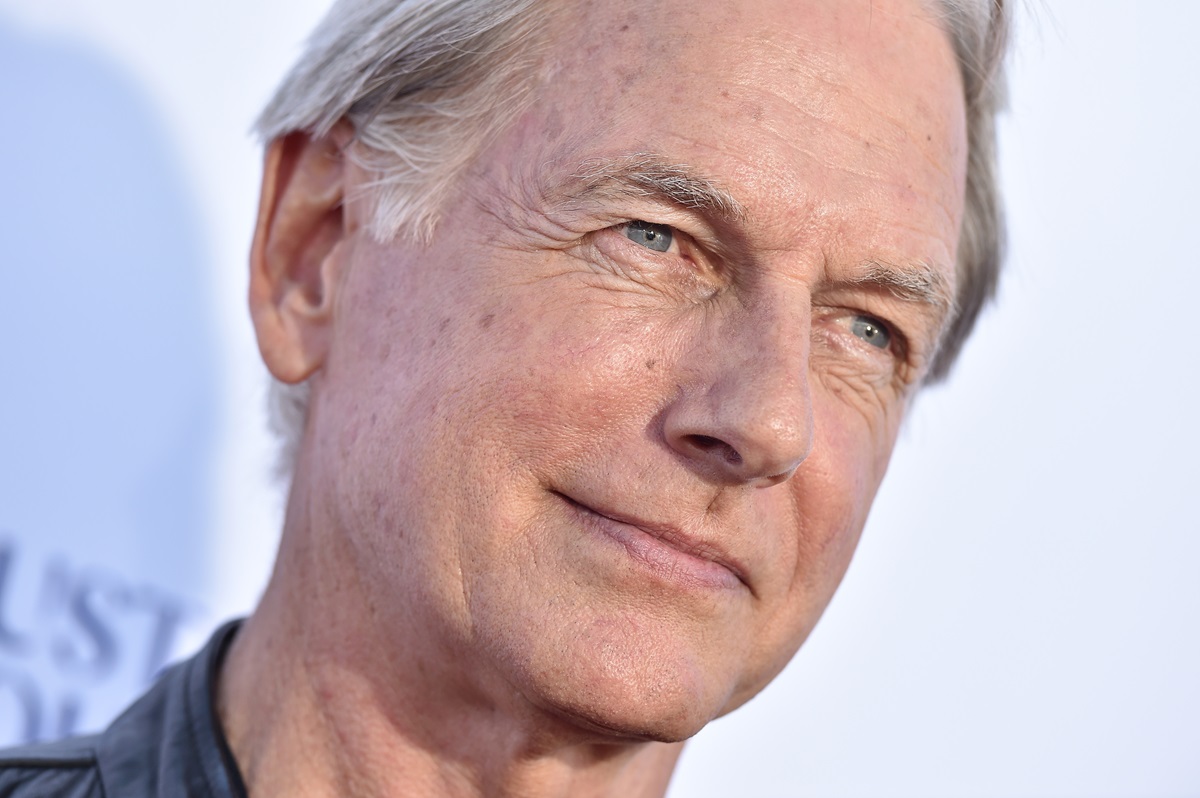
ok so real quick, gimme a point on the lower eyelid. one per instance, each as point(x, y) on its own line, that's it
point(839, 333)
point(677, 266)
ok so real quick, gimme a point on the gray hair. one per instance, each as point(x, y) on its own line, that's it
point(426, 83)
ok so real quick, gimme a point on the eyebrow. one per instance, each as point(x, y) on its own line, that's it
point(645, 175)
point(919, 283)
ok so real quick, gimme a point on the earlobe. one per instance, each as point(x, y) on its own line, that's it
point(297, 250)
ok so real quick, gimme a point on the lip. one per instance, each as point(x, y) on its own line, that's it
point(665, 550)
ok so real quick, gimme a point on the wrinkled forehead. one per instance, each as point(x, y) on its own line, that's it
point(815, 89)
point(882, 34)
point(894, 56)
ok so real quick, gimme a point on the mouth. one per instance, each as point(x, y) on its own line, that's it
point(666, 551)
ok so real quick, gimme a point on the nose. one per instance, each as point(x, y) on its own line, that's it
point(744, 411)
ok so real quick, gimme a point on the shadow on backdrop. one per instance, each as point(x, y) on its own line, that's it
point(108, 390)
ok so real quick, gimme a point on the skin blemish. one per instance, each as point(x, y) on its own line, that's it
point(487, 320)
point(443, 325)
point(651, 364)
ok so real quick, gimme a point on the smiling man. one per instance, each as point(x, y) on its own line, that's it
point(594, 326)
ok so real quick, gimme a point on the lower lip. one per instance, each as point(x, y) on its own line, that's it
point(663, 560)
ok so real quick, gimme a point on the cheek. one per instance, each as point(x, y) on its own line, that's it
point(816, 519)
point(833, 491)
point(561, 387)
point(497, 403)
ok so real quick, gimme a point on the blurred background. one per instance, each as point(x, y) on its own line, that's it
point(1023, 615)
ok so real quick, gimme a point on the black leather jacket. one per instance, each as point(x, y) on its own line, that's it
point(169, 744)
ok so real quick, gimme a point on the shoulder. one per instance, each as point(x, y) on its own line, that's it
point(167, 744)
point(63, 769)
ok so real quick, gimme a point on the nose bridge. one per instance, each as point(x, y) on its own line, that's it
point(749, 415)
point(765, 388)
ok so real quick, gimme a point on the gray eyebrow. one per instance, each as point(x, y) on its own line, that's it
point(918, 282)
point(649, 176)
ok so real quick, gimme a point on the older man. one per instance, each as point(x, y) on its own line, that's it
point(606, 317)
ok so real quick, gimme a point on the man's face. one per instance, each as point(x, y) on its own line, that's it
point(606, 445)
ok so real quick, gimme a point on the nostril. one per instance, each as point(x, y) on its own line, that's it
point(710, 445)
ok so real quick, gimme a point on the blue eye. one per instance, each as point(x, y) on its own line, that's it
point(657, 237)
point(872, 331)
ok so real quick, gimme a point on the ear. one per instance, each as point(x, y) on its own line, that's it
point(296, 251)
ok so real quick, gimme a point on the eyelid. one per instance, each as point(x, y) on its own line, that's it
point(898, 347)
point(687, 267)
point(909, 359)
point(910, 328)
point(683, 244)
point(683, 221)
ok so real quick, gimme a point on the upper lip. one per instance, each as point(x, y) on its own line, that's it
point(674, 536)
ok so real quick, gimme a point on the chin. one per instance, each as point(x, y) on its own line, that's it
point(635, 721)
point(630, 687)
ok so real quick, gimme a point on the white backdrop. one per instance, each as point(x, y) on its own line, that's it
point(1023, 615)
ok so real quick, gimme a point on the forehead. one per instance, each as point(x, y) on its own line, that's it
point(806, 110)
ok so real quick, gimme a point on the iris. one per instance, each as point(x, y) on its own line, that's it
point(657, 237)
point(871, 331)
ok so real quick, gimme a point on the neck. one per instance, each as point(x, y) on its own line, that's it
point(316, 701)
